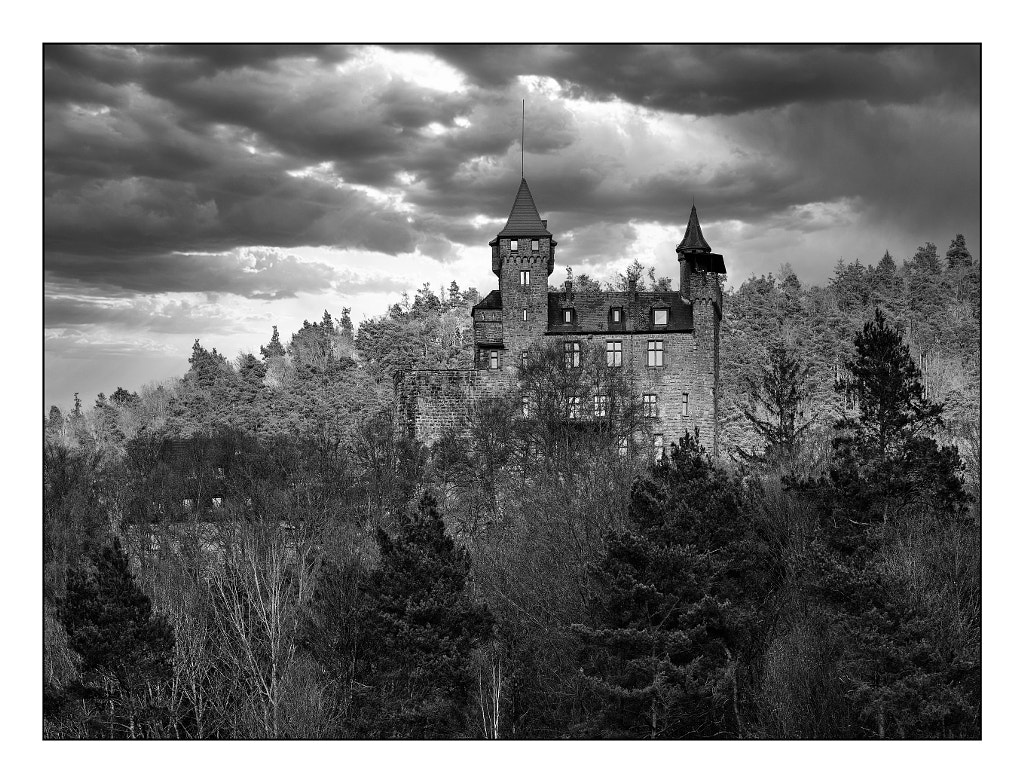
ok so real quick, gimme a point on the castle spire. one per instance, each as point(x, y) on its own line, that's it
point(693, 239)
point(524, 219)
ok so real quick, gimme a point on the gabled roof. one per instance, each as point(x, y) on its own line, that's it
point(524, 219)
point(693, 239)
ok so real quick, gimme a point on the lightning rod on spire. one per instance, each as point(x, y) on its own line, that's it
point(522, 145)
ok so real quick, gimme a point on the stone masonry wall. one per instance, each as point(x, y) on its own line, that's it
point(432, 402)
point(517, 333)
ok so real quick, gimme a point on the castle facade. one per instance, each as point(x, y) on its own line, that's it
point(668, 341)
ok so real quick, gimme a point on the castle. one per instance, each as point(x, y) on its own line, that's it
point(668, 340)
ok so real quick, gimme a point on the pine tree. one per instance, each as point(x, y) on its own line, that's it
point(776, 409)
point(958, 255)
point(886, 456)
point(274, 347)
point(420, 630)
point(672, 608)
point(126, 651)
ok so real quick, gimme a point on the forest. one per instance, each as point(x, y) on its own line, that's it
point(255, 550)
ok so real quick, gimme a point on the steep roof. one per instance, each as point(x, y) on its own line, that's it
point(490, 302)
point(593, 310)
point(693, 239)
point(524, 219)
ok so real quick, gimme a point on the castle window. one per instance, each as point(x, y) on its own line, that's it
point(217, 502)
point(524, 358)
point(567, 315)
point(686, 404)
point(524, 277)
point(651, 405)
point(187, 504)
point(659, 447)
point(623, 447)
point(513, 245)
point(616, 315)
point(572, 354)
point(655, 353)
point(535, 245)
point(573, 405)
point(600, 405)
point(661, 317)
point(492, 360)
point(614, 353)
point(525, 318)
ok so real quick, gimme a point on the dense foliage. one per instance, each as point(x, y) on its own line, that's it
point(256, 550)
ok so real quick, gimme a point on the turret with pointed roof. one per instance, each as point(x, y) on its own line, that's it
point(693, 239)
point(694, 255)
point(524, 220)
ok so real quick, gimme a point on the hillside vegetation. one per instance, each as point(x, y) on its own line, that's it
point(255, 549)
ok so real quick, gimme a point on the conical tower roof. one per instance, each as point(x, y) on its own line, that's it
point(524, 219)
point(693, 239)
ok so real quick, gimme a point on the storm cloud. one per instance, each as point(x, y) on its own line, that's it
point(173, 172)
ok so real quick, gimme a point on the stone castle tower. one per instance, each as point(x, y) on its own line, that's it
point(668, 340)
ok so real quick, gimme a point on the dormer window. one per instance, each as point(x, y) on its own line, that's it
point(567, 315)
point(661, 316)
point(616, 315)
point(513, 245)
point(535, 245)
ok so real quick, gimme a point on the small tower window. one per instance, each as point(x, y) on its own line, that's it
point(513, 245)
point(686, 404)
point(661, 317)
point(525, 318)
point(524, 277)
point(535, 245)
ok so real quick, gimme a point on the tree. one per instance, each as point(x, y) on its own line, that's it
point(274, 347)
point(958, 255)
point(672, 607)
point(776, 410)
point(886, 456)
point(420, 630)
point(126, 650)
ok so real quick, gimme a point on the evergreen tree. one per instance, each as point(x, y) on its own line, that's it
point(345, 322)
point(420, 630)
point(673, 617)
point(886, 456)
point(958, 255)
point(126, 651)
point(776, 410)
point(274, 347)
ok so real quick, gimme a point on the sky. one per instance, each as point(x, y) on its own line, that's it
point(212, 192)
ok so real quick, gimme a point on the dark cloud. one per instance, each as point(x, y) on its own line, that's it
point(151, 151)
point(708, 80)
point(261, 274)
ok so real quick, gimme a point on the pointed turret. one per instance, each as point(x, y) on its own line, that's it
point(524, 219)
point(693, 239)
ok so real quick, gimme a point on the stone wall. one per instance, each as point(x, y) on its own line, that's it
point(432, 402)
